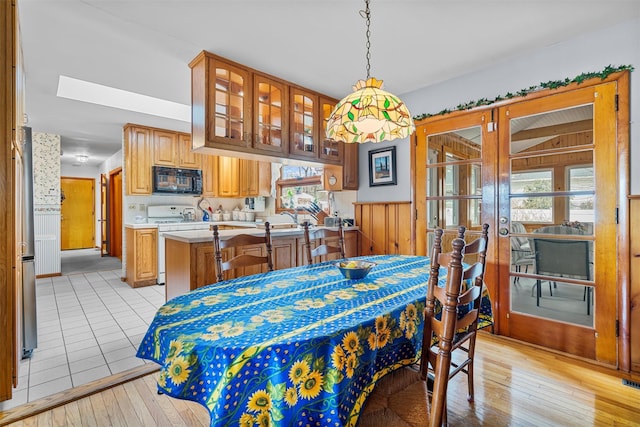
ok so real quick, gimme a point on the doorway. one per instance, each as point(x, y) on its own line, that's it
point(544, 174)
point(114, 208)
point(77, 213)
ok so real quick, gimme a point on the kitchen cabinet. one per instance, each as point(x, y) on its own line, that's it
point(186, 157)
point(337, 178)
point(165, 147)
point(249, 178)
point(228, 176)
point(209, 176)
point(221, 102)
point(137, 155)
point(142, 256)
point(350, 166)
point(330, 150)
point(304, 124)
point(174, 150)
point(195, 267)
point(242, 178)
point(271, 107)
point(284, 253)
point(253, 114)
point(385, 228)
point(351, 247)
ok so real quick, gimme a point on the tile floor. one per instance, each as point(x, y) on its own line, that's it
point(89, 327)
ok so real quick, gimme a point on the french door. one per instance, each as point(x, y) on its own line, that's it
point(543, 173)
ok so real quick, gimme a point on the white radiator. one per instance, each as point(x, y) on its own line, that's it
point(47, 242)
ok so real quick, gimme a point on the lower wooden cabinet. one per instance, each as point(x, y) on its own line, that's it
point(142, 256)
point(385, 228)
point(195, 267)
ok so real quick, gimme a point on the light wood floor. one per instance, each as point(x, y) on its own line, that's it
point(516, 385)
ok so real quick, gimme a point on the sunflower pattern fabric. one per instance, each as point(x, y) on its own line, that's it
point(300, 346)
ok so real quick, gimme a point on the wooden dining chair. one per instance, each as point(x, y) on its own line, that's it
point(468, 305)
point(335, 245)
point(261, 244)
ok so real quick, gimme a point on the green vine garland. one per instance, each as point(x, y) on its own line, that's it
point(552, 84)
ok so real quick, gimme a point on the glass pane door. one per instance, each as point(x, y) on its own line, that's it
point(454, 187)
point(270, 112)
point(557, 194)
point(552, 217)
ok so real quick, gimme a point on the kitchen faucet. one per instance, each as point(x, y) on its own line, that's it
point(293, 216)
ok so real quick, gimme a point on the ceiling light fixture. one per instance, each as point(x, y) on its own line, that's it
point(81, 158)
point(369, 113)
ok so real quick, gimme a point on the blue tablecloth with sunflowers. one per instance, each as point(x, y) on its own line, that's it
point(301, 346)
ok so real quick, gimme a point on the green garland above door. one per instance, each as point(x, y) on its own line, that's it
point(552, 84)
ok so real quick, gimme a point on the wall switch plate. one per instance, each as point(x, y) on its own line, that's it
point(132, 206)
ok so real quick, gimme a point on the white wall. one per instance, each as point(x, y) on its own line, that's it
point(617, 45)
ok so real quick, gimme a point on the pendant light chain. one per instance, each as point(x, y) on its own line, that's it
point(367, 15)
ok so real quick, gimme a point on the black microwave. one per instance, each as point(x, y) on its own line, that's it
point(176, 181)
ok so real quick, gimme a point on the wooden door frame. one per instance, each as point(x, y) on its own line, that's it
point(113, 213)
point(622, 236)
point(93, 203)
point(104, 215)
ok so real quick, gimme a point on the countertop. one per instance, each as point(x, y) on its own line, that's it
point(201, 236)
point(245, 224)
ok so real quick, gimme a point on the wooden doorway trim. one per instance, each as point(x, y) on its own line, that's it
point(114, 218)
point(104, 217)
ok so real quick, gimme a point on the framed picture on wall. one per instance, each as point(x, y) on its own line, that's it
point(382, 166)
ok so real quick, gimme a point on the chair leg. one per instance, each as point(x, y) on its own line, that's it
point(470, 381)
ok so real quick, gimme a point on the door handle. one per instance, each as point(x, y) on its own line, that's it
point(504, 231)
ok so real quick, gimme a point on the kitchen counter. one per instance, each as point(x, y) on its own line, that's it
point(190, 262)
point(200, 236)
point(245, 224)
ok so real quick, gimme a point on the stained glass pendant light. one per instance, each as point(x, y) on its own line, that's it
point(369, 113)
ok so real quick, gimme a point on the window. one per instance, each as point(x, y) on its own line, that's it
point(581, 206)
point(530, 206)
point(299, 186)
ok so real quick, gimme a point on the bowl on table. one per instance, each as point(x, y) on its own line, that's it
point(355, 269)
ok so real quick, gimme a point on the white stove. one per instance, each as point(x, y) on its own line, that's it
point(170, 218)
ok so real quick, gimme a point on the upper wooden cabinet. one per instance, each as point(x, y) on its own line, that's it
point(304, 124)
point(270, 115)
point(174, 149)
point(221, 102)
point(186, 157)
point(228, 176)
point(350, 166)
point(241, 177)
point(137, 155)
point(165, 147)
point(209, 176)
point(256, 115)
point(330, 150)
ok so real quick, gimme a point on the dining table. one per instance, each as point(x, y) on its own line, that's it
point(302, 346)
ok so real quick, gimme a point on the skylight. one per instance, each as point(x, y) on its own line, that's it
point(94, 93)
